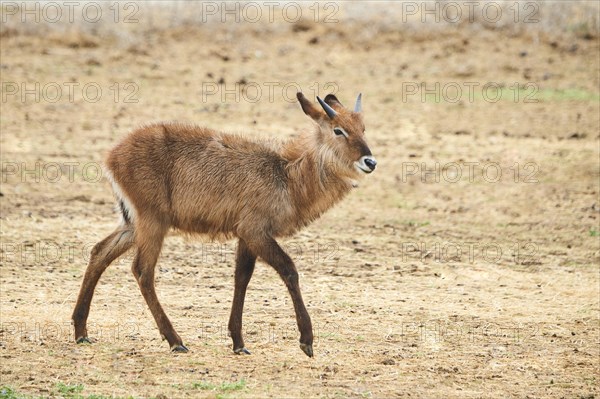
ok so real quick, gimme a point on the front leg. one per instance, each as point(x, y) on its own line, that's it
point(273, 254)
point(244, 267)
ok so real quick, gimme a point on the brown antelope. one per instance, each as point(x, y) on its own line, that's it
point(197, 180)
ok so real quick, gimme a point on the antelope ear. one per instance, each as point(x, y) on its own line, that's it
point(333, 102)
point(308, 108)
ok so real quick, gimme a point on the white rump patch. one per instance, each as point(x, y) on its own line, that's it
point(121, 197)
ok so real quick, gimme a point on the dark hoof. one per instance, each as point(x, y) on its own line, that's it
point(240, 351)
point(307, 348)
point(179, 349)
point(83, 340)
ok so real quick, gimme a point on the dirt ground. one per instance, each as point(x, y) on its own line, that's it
point(466, 266)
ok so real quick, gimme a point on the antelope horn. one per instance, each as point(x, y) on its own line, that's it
point(358, 106)
point(330, 111)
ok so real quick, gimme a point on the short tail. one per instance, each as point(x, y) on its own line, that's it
point(124, 212)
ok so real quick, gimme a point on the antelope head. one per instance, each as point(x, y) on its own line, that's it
point(342, 131)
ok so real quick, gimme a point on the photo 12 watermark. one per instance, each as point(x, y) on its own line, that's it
point(48, 253)
point(469, 92)
point(52, 172)
point(202, 12)
point(71, 92)
point(254, 92)
point(52, 12)
point(453, 252)
point(258, 331)
point(456, 12)
point(462, 332)
point(468, 172)
point(14, 172)
point(269, 11)
point(495, 13)
point(268, 331)
point(62, 331)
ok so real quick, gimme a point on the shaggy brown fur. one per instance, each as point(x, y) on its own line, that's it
point(197, 180)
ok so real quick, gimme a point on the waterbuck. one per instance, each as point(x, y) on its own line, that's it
point(198, 180)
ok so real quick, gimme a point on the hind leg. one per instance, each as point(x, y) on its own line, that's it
point(149, 241)
point(103, 254)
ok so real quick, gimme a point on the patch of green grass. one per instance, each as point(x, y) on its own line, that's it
point(594, 233)
point(566, 95)
point(69, 390)
point(8, 393)
point(233, 386)
point(204, 386)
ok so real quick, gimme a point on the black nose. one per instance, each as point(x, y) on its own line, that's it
point(371, 163)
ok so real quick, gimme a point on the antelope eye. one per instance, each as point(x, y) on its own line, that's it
point(340, 132)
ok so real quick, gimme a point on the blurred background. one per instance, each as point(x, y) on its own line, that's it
point(465, 266)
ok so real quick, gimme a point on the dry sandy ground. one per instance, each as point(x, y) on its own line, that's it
point(478, 279)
